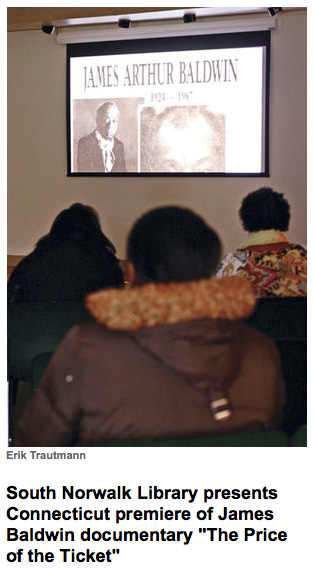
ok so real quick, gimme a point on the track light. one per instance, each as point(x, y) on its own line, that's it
point(273, 11)
point(154, 29)
point(48, 29)
point(124, 23)
point(189, 17)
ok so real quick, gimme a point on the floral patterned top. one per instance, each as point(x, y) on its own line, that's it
point(274, 268)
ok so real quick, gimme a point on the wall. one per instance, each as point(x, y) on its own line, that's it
point(38, 187)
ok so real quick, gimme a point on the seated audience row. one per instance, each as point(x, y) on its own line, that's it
point(169, 357)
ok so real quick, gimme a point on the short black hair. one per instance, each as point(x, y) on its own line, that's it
point(172, 244)
point(103, 108)
point(265, 209)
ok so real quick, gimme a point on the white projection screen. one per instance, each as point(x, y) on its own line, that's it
point(177, 106)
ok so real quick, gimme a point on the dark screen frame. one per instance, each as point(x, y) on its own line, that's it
point(179, 43)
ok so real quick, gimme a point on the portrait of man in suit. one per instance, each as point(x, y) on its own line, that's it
point(101, 151)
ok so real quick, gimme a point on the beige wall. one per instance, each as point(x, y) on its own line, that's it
point(38, 187)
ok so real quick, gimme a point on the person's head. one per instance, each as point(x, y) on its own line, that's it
point(265, 209)
point(80, 222)
point(107, 119)
point(172, 244)
point(187, 139)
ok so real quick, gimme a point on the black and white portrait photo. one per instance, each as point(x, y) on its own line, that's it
point(182, 139)
point(105, 135)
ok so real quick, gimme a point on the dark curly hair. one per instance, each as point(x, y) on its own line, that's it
point(265, 209)
point(172, 244)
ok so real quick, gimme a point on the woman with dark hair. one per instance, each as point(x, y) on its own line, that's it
point(168, 357)
point(72, 260)
point(274, 266)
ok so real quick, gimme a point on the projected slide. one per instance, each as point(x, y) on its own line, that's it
point(195, 111)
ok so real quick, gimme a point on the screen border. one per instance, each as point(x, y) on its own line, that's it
point(167, 44)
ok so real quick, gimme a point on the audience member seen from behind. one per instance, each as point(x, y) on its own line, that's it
point(101, 150)
point(168, 357)
point(74, 259)
point(274, 266)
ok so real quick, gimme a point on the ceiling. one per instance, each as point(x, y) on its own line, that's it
point(34, 18)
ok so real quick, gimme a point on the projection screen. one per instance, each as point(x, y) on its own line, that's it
point(181, 106)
